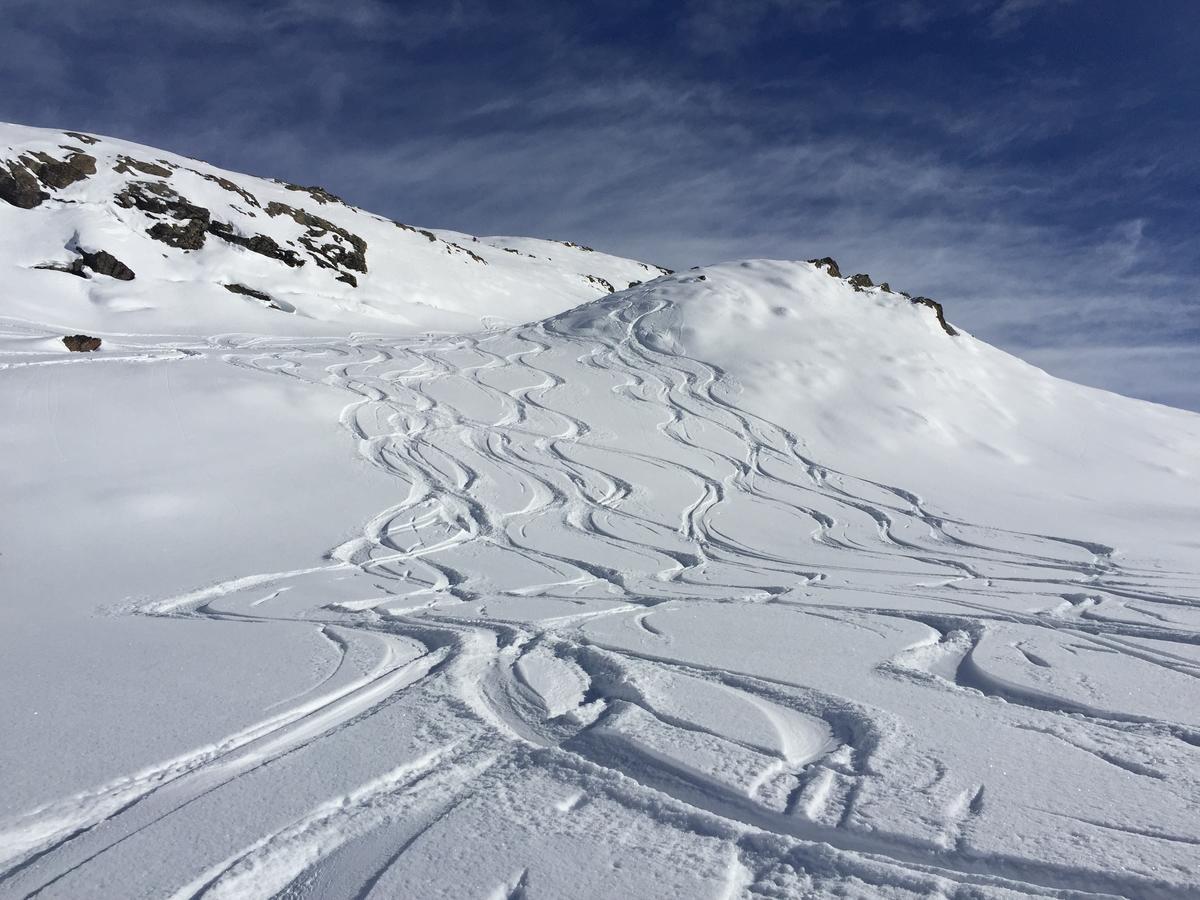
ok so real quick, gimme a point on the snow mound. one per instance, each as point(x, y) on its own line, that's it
point(869, 380)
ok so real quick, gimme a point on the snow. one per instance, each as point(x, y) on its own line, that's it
point(737, 582)
point(417, 279)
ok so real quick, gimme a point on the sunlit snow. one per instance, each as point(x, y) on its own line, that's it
point(478, 580)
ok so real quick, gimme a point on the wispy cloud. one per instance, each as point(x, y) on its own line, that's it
point(1011, 15)
point(950, 148)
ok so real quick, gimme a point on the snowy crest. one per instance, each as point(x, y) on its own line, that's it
point(196, 248)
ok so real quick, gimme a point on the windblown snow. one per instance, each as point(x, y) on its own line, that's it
point(421, 565)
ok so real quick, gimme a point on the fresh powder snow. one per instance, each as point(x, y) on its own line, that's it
point(370, 560)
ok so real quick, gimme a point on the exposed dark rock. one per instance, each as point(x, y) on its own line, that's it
point(230, 186)
point(597, 280)
point(191, 224)
point(79, 136)
point(937, 310)
point(348, 279)
point(334, 254)
point(828, 264)
point(318, 193)
point(100, 262)
point(19, 187)
point(258, 243)
point(22, 179)
point(263, 296)
point(862, 281)
point(633, 284)
point(511, 250)
point(330, 246)
point(471, 253)
point(58, 174)
point(428, 234)
point(189, 235)
point(127, 165)
point(249, 292)
point(81, 343)
point(576, 246)
point(157, 199)
point(104, 263)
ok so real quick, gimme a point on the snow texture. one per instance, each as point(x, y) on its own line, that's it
point(487, 579)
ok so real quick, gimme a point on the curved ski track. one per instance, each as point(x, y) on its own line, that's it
point(550, 482)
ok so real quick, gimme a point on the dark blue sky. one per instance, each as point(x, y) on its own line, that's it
point(1031, 163)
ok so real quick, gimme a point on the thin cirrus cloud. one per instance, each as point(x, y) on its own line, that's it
point(987, 152)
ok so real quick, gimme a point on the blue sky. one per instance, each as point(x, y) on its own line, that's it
point(1031, 163)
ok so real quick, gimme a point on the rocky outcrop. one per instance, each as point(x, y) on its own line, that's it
point(256, 243)
point(329, 245)
point(58, 174)
point(828, 264)
point(80, 136)
point(599, 282)
point(862, 282)
point(429, 235)
point(227, 185)
point(262, 296)
point(317, 192)
point(127, 165)
point(937, 311)
point(81, 343)
point(191, 222)
point(104, 263)
point(188, 235)
point(100, 262)
point(22, 179)
point(19, 187)
point(186, 226)
point(576, 246)
point(459, 248)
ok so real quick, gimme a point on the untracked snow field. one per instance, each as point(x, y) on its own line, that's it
point(746, 584)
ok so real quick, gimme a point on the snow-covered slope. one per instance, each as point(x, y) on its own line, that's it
point(747, 581)
point(871, 384)
point(187, 232)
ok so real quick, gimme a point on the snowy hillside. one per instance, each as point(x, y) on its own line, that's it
point(747, 581)
point(187, 235)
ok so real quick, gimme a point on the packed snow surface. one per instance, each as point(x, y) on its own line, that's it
point(734, 583)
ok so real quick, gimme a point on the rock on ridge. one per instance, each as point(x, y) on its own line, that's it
point(862, 281)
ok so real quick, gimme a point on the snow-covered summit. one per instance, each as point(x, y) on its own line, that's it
point(187, 247)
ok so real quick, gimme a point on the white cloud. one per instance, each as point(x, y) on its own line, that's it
point(1012, 15)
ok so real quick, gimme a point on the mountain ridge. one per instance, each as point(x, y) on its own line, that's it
point(164, 217)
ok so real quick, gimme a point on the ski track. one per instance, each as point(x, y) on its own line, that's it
point(510, 492)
